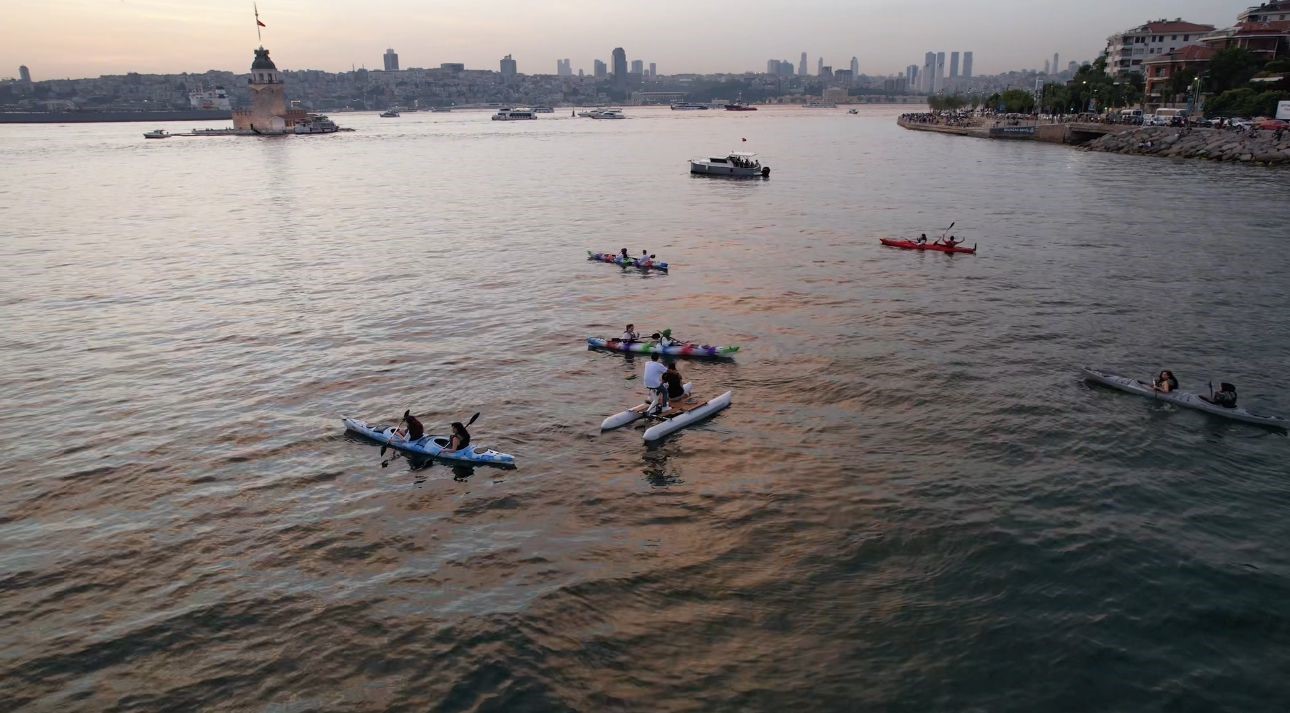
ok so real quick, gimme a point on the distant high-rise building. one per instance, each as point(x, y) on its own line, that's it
point(801, 68)
point(564, 67)
point(620, 67)
point(508, 68)
point(911, 76)
point(967, 65)
point(24, 74)
point(599, 69)
point(826, 72)
point(1046, 67)
point(638, 66)
point(1072, 67)
point(819, 66)
point(855, 67)
point(653, 69)
point(391, 60)
point(954, 65)
point(772, 66)
point(928, 84)
point(940, 71)
point(1056, 67)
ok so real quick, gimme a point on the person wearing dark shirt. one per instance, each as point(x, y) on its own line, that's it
point(460, 437)
point(414, 430)
point(1225, 396)
point(675, 385)
point(1166, 382)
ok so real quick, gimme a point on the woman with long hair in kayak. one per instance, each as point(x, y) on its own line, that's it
point(414, 431)
point(460, 438)
point(1166, 382)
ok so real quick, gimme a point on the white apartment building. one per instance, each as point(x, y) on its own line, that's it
point(1129, 49)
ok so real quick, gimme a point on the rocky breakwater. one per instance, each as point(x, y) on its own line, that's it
point(1215, 144)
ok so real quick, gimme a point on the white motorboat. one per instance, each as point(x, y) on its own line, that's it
point(606, 114)
point(316, 124)
point(391, 113)
point(737, 164)
point(156, 134)
point(853, 111)
point(513, 115)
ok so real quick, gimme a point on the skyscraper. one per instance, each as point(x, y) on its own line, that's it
point(801, 68)
point(940, 71)
point(24, 74)
point(620, 67)
point(911, 76)
point(508, 68)
point(928, 84)
point(1046, 67)
point(391, 60)
point(967, 65)
point(819, 66)
point(600, 70)
point(638, 66)
point(1056, 67)
point(564, 67)
point(772, 66)
point(855, 67)
point(653, 69)
point(954, 65)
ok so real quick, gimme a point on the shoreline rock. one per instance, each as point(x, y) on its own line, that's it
point(1259, 147)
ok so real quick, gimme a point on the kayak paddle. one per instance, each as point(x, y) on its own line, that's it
point(387, 445)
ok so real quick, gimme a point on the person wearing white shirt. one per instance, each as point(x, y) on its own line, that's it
point(654, 370)
point(630, 334)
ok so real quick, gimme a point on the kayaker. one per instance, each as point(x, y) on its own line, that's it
point(653, 379)
point(922, 239)
point(460, 437)
point(1166, 382)
point(675, 384)
point(623, 254)
point(1225, 396)
point(414, 430)
point(644, 258)
point(665, 339)
point(630, 334)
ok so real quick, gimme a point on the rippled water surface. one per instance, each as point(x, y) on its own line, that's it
point(914, 503)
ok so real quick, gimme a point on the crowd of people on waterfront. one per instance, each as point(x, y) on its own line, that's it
point(940, 118)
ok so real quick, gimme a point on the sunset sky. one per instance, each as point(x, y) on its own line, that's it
point(85, 38)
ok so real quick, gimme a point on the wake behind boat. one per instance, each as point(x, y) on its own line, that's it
point(429, 446)
point(1182, 398)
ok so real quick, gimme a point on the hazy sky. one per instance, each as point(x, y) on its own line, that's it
point(86, 38)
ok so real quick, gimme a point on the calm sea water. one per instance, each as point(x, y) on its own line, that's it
point(914, 503)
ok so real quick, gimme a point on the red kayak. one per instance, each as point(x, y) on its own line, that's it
point(911, 245)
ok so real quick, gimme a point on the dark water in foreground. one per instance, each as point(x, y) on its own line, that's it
point(914, 504)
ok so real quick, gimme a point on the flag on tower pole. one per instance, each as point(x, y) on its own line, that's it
point(258, 24)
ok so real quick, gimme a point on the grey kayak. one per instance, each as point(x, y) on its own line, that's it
point(1182, 398)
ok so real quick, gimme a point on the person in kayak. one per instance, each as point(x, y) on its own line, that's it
point(922, 239)
point(623, 254)
point(630, 334)
point(1166, 382)
point(1225, 396)
point(460, 437)
point(665, 339)
point(653, 379)
point(674, 383)
point(414, 430)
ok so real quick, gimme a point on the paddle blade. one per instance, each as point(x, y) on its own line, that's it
point(472, 418)
point(383, 447)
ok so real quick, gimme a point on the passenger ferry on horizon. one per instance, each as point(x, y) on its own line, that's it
point(513, 115)
point(689, 106)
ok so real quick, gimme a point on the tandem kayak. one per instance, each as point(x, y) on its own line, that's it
point(684, 350)
point(1182, 398)
point(431, 446)
point(636, 413)
point(911, 245)
point(627, 262)
point(687, 417)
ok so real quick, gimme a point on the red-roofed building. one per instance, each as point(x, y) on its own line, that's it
point(1159, 71)
point(1267, 12)
point(1267, 39)
point(1128, 50)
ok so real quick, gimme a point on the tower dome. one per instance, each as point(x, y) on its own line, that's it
point(262, 60)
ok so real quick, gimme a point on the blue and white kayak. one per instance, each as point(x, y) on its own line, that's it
point(1182, 398)
point(687, 417)
point(430, 446)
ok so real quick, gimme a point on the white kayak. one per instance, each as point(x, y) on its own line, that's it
point(693, 415)
point(432, 446)
point(1182, 398)
point(635, 413)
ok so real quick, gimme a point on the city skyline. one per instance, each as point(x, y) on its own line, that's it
point(171, 36)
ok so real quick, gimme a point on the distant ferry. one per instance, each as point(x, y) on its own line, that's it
point(513, 115)
point(316, 124)
point(391, 113)
point(820, 105)
point(740, 106)
point(543, 110)
point(689, 106)
point(210, 99)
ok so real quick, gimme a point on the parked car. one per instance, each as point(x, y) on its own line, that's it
point(1237, 122)
point(1274, 124)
